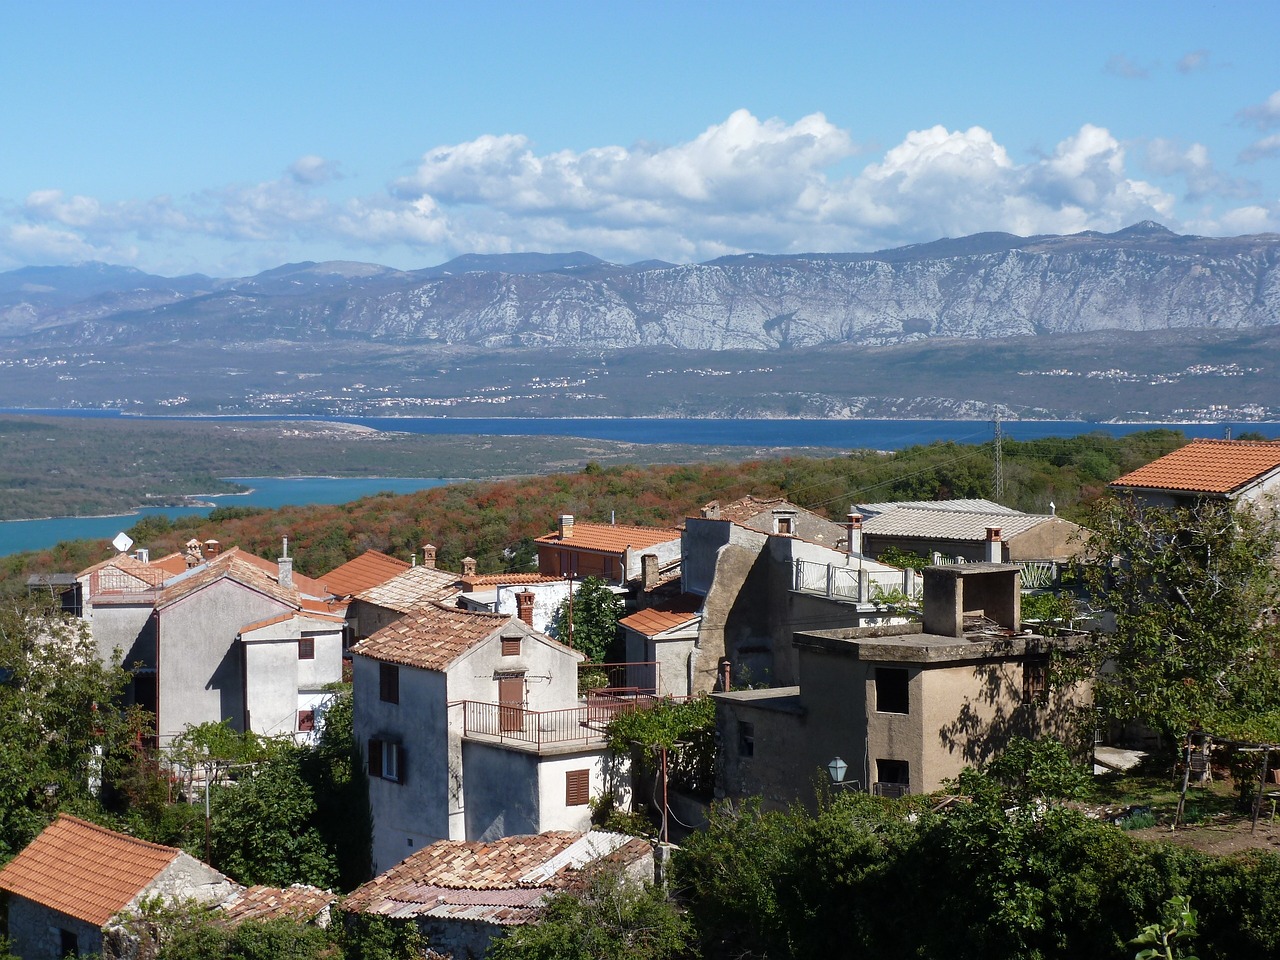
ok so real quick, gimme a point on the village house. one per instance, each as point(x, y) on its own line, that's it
point(960, 530)
point(472, 729)
point(231, 637)
point(1237, 470)
point(900, 708)
point(761, 583)
point(70, 888)
point(499, 593)
point(608, 551)
point(369, 569)
point(381, 604)
point(462, 895)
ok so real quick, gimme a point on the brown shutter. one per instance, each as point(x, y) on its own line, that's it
point(511, 646)
point(375, 758)
point(577, 788)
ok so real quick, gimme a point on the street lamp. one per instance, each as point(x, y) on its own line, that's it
point(837, 768)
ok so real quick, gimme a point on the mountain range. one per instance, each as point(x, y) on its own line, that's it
point(1143, 278)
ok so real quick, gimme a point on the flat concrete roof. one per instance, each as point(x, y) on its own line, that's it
point(774, 699)
point(912, 645)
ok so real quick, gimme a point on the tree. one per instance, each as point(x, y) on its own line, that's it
point(1193, 592)
point(61, 735)
point(593, 610)
point(610, 917)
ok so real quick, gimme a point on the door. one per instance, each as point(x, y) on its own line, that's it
point(510, 703)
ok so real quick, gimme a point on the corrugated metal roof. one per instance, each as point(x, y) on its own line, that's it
point(1207, 466)
point(971, 505)
point(949, 524)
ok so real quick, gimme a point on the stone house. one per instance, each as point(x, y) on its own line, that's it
point(234, 637)
point(68, 889)
point(384, 603)
point(472, 729)
point(462, 895)
point(904, 706)
point(1239, 470)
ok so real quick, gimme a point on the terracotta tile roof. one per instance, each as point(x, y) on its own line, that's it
point(324, 608)
point(413, 588)
point(502, 882)
point(298, 902)
point(174, 563)
point(123, 573)
point(611, 538)
point(367, 570)
point(431, 637)
point(1207, 466)
point(303, 584)
point(664, 616)
point(83, 870)
point(744, 508)
point(505, 580)
point(231, 564)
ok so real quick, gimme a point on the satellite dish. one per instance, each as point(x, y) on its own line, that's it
point(122, 542)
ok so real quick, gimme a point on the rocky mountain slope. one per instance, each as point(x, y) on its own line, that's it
point(1142, 278)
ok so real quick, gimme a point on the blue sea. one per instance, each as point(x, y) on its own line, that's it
point(19, 535)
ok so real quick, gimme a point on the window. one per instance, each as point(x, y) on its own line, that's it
point(69, 943)
point(1035, 680)
point(785, 526)
point(388, 683)
point(307, 648)
point(386, 760)
point(577, 788)
point(511, 646)
point(893, 778)
point(892, 690)
point(746, 739)
point(306, 721)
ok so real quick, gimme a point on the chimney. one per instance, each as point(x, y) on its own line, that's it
point(566, 526)
point(143, 555)
point(429, 555)
point(995, 549)
point(192, 556)
point(285, 563)
point(711, 511)
point(524, 606)
point(648, 571)
point(853, 527)
point(726, 674)
point(468, 566)
point(212, 548)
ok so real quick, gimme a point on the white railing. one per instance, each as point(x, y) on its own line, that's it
point(855, 584)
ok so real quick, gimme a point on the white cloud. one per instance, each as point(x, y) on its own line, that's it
point(1264, 115)
point(1268, 146)
point(1119, 65)
point(312, 170)
point(1193, 61)
point(1192, 162)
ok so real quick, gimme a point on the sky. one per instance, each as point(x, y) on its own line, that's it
point(228, 138)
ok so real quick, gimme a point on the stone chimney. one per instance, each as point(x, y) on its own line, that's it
point(212, 548)
point(995, 548)
point(285, 564)
point(648, 571)
point(193, 555)
point(711, 511)
point(566, 526)
point(429, 555)
point(524, 606)
point(468, 566)
point(853, 532)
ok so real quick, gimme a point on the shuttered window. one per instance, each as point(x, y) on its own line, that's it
point(386, 760)
point(1035, 681)
point(577, 788)
point(375, 758)
point(307, 648)
point(511, 646)
point(388, 683)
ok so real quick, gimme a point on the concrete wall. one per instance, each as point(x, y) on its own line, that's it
point(502, 794)
point(666, 553)
point(418, 809)
point(781, 768)
point(553, 812)
point(1054, 539)
point(200, 664)
point(550, 670)
point(547, 598)
point(126, 627)
point(366, 618)
point(460, 939)
point(35, 931)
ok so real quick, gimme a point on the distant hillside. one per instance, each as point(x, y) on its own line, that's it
point(1142, 278)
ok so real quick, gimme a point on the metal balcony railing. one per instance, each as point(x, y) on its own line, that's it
point(515, 723)
point(854, 584)
point(631, 679)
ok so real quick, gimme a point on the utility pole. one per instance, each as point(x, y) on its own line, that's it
point(999, 456)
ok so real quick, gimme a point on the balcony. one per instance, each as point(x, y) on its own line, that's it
point(855, 584)
point(510, 723)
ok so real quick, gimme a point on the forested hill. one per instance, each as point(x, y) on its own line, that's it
point(495, 522)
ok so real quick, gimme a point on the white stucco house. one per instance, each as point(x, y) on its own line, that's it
point(472, 729)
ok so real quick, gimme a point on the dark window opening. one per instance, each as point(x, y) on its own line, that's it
point(69, 943)
point(892, 690)
point(388, 683)
point(306, 721)
point(1035, 681)
point(746, 739)
point(307, 648)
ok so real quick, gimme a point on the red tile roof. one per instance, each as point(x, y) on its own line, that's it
point(304, 584)
point(664, 616)
point(415, 587)
point(506, 579)
point(610, 538)
point(298, 902)
point(367, 570)
point(1207, 466)
point(431, 637)
point(83, 870)
point(502, 882)
point(233, 564)
point(744, 508)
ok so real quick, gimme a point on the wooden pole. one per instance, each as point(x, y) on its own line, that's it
point(1262, 785)
point(1186, 781)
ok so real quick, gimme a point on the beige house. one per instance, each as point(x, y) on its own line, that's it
point(903, 706)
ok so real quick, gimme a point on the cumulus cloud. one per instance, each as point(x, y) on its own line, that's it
point(311, 170)
point(1118, 65)
point(1192, 162)
point(1193, 61)
point(1263, 115)
point(1261, 149)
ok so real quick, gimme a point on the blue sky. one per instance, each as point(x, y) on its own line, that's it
point(228, 138)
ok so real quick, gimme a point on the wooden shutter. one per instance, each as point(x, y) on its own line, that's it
point(375, 758)
point(577, 788)
point(388, 683)
point(306, 648)
point(511, 703)
point(511, 646)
